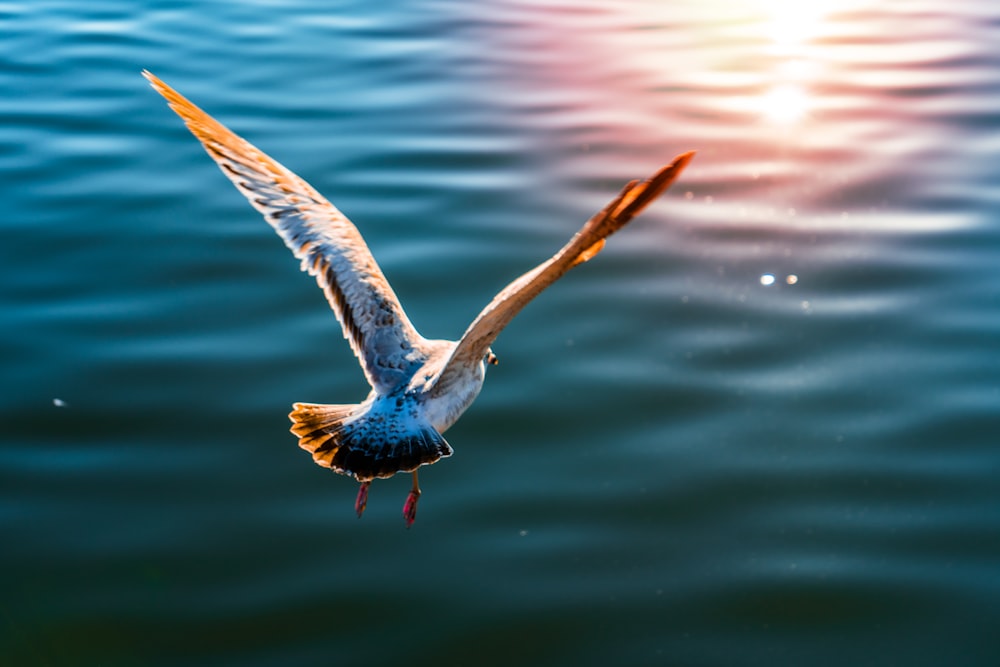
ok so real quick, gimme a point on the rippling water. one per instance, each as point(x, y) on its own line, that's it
point(760, 429)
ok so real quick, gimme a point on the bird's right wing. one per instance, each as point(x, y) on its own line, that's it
point(589, 241)
point(329, 246)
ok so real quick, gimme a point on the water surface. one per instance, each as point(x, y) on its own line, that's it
point(759, 429)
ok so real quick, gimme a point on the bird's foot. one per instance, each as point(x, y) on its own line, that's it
point(410, 507)
point(362, 501)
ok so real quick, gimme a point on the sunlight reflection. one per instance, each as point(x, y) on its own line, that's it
point(790, 26)
point(791, 23)
point(784, 104)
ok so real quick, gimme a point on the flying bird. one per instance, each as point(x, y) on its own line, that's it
point(419, 387)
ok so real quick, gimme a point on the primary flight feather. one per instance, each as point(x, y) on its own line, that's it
point(420, 387)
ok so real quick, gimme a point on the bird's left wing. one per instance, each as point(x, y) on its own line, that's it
point(329, 246)
point(589, 241)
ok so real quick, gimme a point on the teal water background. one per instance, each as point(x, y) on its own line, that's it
point(761, 428)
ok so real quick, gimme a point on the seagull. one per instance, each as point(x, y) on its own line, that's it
point(419, 387)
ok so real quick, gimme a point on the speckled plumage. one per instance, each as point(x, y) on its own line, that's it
point(420, 387)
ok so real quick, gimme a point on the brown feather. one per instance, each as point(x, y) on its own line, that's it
point(329, 246)
point(631, 201)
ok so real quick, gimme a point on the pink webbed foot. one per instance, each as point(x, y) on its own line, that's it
point(362, 501)
point(410, 507)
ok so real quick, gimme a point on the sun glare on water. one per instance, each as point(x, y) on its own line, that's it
point(790, 27)
point(791, 23)
point(784, 103)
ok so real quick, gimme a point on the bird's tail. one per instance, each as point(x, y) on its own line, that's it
point(367, 440)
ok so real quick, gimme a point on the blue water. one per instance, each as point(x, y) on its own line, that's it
point(760, 429)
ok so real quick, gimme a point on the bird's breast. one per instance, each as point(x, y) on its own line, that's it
point(444, 409)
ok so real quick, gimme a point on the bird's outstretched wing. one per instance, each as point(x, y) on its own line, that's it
point(589, 241)
point(329, 246)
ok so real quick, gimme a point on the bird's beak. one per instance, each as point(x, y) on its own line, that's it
point(491, 359)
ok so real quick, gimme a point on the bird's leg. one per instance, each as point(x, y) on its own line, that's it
point(410, 506)
point(359, 504)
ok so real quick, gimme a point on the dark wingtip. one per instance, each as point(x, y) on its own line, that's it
point(640, 195)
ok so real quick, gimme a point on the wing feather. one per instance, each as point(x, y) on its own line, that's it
point(329, 246)
point(476, 340)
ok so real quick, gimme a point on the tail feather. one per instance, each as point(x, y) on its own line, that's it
point(311, 421)
point(368, 440)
